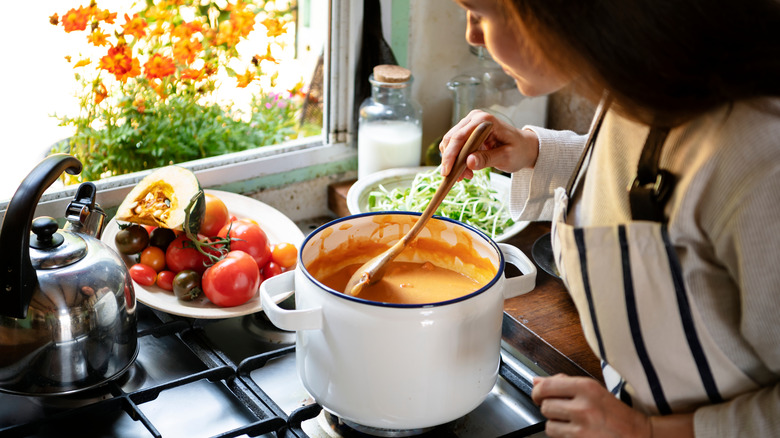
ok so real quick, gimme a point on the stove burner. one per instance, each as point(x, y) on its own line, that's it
point(264, 330)
point(349, 429)
point(131, 380)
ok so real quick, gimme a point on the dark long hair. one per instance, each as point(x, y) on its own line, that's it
point(664, 61)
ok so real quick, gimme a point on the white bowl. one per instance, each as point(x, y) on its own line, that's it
point(357, 196)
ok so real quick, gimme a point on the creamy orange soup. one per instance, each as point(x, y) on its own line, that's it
point(429, 270)
point(408, 283)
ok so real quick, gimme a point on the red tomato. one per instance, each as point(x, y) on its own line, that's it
point(284, 254)
point(165, 280)
point(142, 274)
point(231, 281)
point(247, 236)
point(215, 218)
point(271, 269)
point(181, 255)
point(153, 257)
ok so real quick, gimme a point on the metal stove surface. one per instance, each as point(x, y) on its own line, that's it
point(230, 378)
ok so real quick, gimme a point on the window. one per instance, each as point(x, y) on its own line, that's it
point(36, 90)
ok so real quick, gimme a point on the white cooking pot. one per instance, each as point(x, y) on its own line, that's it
point(395, 366)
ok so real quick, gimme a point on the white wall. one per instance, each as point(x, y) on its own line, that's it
point(437, 52)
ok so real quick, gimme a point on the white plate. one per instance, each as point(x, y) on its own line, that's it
point(357, 196)
point(276, 225)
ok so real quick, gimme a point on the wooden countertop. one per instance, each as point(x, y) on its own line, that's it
point(542, 324)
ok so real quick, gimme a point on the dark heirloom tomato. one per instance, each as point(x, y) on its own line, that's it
point(232, 281)
point(182, 255)
point(131, 239)
point(247, 236)
point(186, 285)
point(161, 237)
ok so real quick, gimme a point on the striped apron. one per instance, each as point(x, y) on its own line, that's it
point(626, 282)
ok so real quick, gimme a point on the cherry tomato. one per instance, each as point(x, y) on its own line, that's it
point(247, 236)
point(284, 254)
point(215, 218)
point(232, 281)
point(142, 274)
point(271, 269)
point(165, 280)
point(181, 255)
point(153, 257)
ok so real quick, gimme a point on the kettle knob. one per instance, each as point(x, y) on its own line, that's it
point(18, 278)
point(45, 233)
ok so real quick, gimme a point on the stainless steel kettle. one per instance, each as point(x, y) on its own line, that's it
point(67, 304)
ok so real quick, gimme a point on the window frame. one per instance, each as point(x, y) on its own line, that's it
point(268, 166)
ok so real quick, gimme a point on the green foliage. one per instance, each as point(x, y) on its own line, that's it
point(174, 131)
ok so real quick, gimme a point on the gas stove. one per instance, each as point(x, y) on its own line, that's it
point(236, 377)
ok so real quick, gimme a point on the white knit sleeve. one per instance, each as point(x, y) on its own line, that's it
point(532, 189)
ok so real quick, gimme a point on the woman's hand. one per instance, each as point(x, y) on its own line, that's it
point(582, 407)
point(506, 148)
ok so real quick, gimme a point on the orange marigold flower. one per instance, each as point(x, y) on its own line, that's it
point(134, 26)
point(82, 63)
point(186, 30)
point(274, 27)
point(243, 22)
point(105, 15)
point(158, 30)
point(227, 34)
point(75, 19)
point(192, 74)
point(159, 66)
point(185, 51)
point(210, 69)
point(54, 19)
point(98, 38)
point(121, 63)
point(245, 79)
point(159, 88)
point(100, 93)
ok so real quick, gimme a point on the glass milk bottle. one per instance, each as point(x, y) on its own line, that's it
point(390, 123)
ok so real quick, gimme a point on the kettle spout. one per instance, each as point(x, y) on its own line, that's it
point(83, 214)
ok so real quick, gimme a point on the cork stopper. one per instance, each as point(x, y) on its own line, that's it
point(391, 73)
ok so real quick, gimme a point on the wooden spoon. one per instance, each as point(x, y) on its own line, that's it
point(374, 269)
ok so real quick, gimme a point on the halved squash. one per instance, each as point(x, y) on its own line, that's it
point(169, 197)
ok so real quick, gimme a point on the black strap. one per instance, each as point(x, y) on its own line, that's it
point(652, 186)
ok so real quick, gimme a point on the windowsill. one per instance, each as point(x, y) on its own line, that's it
point(292, 178)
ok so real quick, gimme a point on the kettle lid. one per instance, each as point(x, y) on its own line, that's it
point(51, 248)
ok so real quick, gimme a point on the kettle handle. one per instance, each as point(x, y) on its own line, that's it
point(18, 279)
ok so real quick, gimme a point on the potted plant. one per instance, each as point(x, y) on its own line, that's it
point(151, 81)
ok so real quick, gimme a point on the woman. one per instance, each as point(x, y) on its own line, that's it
point(664, 217)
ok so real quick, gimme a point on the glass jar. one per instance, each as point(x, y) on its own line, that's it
point(389, 123)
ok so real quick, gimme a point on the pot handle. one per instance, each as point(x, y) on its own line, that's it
point(521, 284)
point(293, 320)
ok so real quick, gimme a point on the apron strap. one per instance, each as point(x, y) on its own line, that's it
point(652, 186)
point(601, 112)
